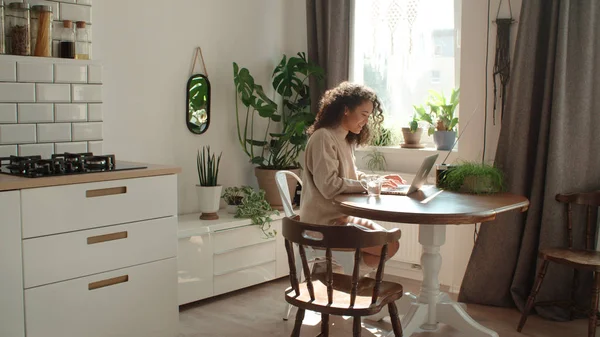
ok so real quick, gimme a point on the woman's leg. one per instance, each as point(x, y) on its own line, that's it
point(372, 255)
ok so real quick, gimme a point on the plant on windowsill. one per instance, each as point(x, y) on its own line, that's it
point(255, 207)
point(442, 112)
point(291, 118)
point(412, 134)
point(474, 178)
point(384, 137)
point(234, 195)
point(208, 189)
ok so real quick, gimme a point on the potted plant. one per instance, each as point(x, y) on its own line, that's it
point(476, 178)
point(255, 207)
point(208, 189)
point(384, 137)
point(412, 134)
point(233, 196)
point(444, 129)
point(284, 138)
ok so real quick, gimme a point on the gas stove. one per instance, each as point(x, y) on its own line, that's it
point(62, 164)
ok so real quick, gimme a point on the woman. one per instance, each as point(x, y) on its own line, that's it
point(341, 124)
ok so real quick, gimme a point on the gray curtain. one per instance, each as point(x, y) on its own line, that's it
point(548, 144)
point(328, 32)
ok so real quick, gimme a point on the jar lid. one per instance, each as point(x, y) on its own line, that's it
point(18, 5)
point(67, 24)
point(80, 24)
point(41, 8)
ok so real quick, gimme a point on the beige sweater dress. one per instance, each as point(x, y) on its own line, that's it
point(329, 170)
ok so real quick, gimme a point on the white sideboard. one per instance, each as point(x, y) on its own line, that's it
point(219, 256)
point(98, 259)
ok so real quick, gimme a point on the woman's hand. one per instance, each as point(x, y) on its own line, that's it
point(394, 178)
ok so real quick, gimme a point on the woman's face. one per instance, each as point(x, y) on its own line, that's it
point(355, 120)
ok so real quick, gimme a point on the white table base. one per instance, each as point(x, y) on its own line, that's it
point(423, 313)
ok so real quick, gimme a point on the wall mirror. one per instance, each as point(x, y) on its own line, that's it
point(197, 116)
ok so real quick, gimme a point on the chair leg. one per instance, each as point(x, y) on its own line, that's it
point(356, 328)
point(288, 311)
point(534, 292)
point(396, 325)
point(324, 325)
point(574, 287)
point(298, 324)
point(594, 306)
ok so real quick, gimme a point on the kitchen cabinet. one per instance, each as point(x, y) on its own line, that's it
point(11, 275)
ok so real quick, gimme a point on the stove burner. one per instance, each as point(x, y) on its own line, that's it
point(60, 164)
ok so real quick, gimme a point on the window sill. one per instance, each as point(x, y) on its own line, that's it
point(398, 149)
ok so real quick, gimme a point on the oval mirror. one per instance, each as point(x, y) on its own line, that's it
point(197, 116)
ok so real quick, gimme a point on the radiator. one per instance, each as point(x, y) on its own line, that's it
point(410, 249)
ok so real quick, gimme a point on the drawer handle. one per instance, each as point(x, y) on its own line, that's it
point(108, 282)
point(106, 237)
point(106, 191)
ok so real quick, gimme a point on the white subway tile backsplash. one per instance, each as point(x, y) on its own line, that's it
point(71, 112)
point(85, 2)
point(17, 92)
point(8, 150)
point(34, 72)
point(87, 131)
point(36, 113)
point(94, 73)
point(17, 133)
point(53, 92)
point(8, 71)
point(87, 93)
point(95, 112)
point(54, 132)
point(8, 113)
point(69, 1)
point(52, 4)
point(70, 73)
point(95, 147)
point(44, 150)
point(72, 147)
point(75, 12)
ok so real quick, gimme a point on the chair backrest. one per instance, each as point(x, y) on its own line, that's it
point(332, 237)
point(281, 178)
point(592, 201)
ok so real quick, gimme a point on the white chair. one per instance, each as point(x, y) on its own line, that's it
point(346, 261)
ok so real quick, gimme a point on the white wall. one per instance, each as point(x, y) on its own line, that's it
point(147, 49)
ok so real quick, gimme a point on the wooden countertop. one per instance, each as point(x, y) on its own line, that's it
point(9, 182)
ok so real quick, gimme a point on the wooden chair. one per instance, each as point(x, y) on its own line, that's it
point(579, 259)
point(337, 294)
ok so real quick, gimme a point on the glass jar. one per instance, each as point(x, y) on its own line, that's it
point(66, 45)
point(2, 36)
point(41, 30)
point(82, 48)
point(18, 38)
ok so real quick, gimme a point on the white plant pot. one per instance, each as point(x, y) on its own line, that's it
point(209, 198)
point(231, 209)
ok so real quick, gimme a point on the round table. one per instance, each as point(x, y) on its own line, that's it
point(433, 209)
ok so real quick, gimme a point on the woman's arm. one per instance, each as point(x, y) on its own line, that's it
point(323, 164)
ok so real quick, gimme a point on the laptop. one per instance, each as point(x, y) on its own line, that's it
point(419, 180)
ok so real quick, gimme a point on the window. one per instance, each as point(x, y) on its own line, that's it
point(404, 48)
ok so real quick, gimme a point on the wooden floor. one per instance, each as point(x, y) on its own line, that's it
point(257, 311)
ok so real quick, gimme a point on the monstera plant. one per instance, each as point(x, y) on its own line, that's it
point(279, 146)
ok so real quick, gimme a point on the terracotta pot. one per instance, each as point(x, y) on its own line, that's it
point(209, 198)
point(266, 182)
point(412, 137)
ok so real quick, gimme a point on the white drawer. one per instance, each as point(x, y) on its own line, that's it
point(194, 269)
point(229, 239)
point(142, 302)
point(65, 256)
point(58, 209)
point(244, 278)
point(245, 257)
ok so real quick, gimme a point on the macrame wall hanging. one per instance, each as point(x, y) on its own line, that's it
point(502, 59)
point(399, 11)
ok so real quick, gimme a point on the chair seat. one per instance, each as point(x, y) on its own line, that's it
point(342, 286)
point(578, 258)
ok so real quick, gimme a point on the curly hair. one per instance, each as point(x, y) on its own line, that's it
point(348, 95)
